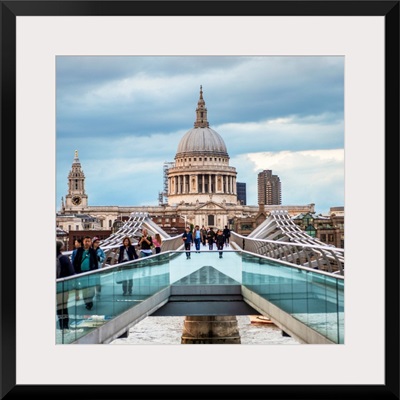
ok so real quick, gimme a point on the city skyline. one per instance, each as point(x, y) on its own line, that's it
point(126, 115)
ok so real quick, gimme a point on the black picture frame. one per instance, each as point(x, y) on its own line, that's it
point(11, 9)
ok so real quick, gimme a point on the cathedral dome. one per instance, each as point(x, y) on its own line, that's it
point(201, 141)
point(201, 170)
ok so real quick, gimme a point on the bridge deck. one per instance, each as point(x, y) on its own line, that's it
point(289, 294)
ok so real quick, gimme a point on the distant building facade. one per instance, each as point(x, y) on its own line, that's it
point(269, 188)
point(327, 228)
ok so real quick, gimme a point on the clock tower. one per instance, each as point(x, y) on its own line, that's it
point(76, 199)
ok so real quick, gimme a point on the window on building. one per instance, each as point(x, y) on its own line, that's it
point(246, 227)
point(310, 230)
point(323, 237)
point(109, 223)
point(330, 238)
point(77, 228)
point(308, 220)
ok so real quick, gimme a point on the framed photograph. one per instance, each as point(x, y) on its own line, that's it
point(365, 33)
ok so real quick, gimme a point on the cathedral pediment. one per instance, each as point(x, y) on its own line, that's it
point(210, 205)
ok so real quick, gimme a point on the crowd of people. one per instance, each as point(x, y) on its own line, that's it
point(89, 256)
point(205, 236)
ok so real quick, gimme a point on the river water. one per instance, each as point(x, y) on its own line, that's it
point(168, 330)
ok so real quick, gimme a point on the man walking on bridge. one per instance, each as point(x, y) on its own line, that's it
point(187, 240)
point(197, 238)
point(86, 260)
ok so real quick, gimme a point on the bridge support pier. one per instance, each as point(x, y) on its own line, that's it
point(210, 330)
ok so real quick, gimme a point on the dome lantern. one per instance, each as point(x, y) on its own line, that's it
point(201, 139)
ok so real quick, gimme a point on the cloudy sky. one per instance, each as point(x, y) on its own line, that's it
point(126, 116)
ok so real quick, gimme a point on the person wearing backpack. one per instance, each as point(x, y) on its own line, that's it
point(64, 269)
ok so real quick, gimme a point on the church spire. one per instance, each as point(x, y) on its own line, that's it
point(76, 186)
point(201, 112)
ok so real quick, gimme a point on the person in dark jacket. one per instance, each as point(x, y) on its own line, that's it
point(78, 242)
point(145, 243)
point(101, 256)
point(220, 240)
point(210, 238)
point(127, 252)
point(187, 238)
point(86, 260)
point(65, 269)
point(203, 231)
point(227, 234)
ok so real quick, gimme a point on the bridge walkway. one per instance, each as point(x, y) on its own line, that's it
point(305, 303)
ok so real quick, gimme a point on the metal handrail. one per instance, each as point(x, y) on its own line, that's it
point(316, 256)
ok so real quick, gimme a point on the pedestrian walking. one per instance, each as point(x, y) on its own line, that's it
point(210, 238)
point(157, 242)
point(227, 234)
point(220, 240)
point(187, 238)
point(78, 242)
point(127, 252)
point(63, 270)
point(101, 256)
point(145, 244)
point(86, 260)
point(203, 231)
point(197, 238)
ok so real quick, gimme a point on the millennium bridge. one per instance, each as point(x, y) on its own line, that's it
point(278, 271)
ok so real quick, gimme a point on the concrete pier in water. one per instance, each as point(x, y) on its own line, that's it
point(210, 330)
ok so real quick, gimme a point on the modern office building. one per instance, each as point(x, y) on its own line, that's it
point(269, 188)
point(241, 192)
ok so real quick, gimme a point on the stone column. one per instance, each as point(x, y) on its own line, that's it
point(210, 330)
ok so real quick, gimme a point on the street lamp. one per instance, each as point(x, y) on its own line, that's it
point(184, 217)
